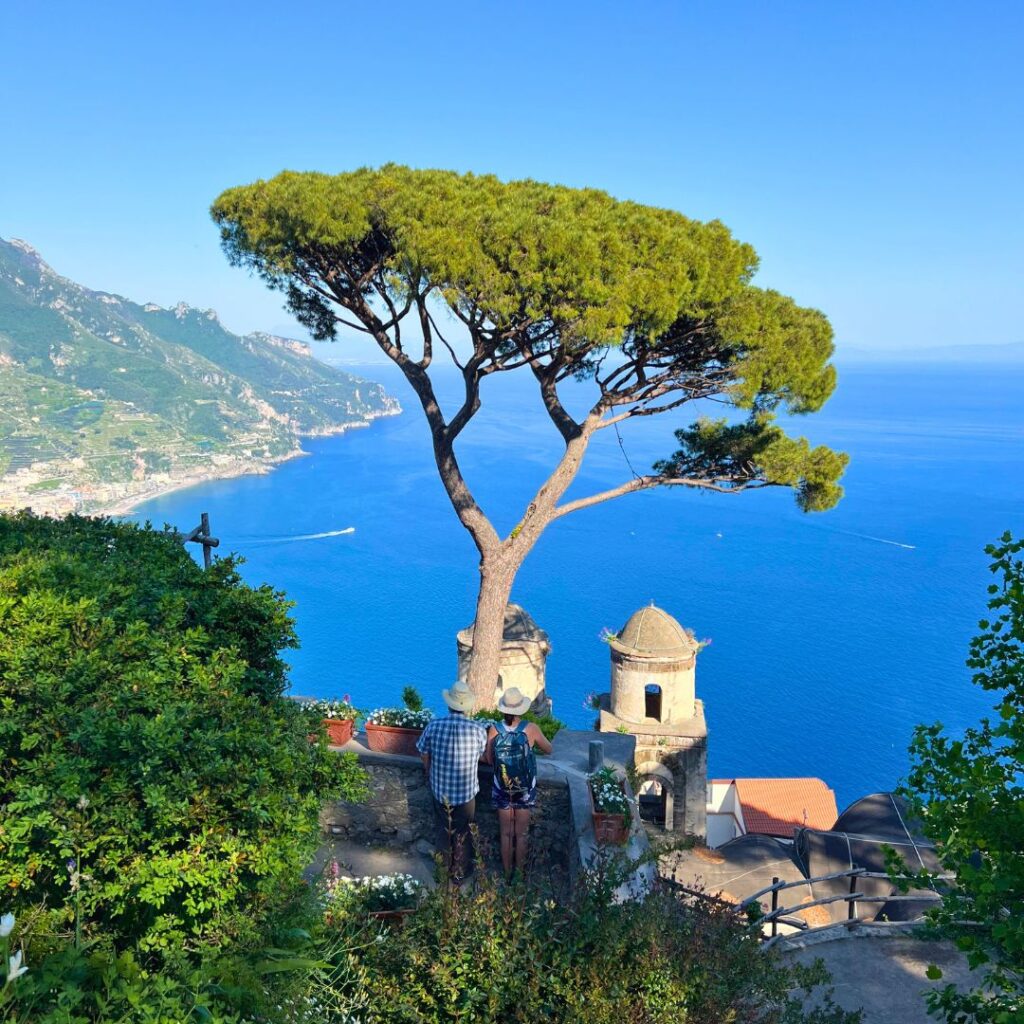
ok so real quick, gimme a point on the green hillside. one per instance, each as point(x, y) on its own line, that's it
point(103, 399)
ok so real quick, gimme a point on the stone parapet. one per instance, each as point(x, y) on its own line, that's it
point(399, 812)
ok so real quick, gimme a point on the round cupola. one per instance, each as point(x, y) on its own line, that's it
point(653, 669)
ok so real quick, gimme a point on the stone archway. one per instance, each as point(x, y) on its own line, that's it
point(662, 781)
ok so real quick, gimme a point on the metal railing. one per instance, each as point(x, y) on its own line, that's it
point(768, 923)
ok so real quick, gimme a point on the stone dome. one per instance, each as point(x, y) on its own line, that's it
point(653, 633)
point(520, 627)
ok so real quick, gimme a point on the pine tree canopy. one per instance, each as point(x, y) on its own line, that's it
point(657, 309)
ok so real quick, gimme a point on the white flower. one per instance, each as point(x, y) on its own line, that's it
point(14, 968)
point(6, 925)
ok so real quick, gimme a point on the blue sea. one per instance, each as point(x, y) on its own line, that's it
point(833, 634)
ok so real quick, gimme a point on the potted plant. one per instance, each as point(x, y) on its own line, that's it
point(396, 730)
point(611, 813)
point(388, 898)
point(338, 717)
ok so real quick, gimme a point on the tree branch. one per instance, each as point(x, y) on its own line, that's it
point(645, 483)
point(444, 340)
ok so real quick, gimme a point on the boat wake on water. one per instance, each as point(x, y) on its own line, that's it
point(301, 536)
point(865, 536)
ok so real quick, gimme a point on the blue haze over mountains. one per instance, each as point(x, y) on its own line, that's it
point(833, 635)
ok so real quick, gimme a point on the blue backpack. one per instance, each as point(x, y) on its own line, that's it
point(515, 765)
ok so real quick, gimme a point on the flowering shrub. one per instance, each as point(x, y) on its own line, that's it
point(606, 636)
point(609, 796)
point(11, 966)
point(343, 894)
point(412, 714)
point(329, 708)
point(400, 717)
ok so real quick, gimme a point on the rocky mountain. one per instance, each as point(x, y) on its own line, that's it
point(104, 401)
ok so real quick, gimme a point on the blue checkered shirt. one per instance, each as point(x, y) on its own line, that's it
point(455, 744)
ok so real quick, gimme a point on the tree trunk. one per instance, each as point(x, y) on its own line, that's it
point(488, 629)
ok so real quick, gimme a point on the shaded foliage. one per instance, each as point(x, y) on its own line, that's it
point(159, 796)
point(505, 953)
point(969, 795)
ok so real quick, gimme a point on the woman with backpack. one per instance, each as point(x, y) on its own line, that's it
point(510, 746)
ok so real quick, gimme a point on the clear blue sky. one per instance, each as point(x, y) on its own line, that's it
point(871, 152)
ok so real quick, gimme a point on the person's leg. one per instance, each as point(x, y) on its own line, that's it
point(444, 816)
point(462, 853)
point(521, 827)
point(505, 823)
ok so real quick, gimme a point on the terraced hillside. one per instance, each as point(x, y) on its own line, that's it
point(104, 401)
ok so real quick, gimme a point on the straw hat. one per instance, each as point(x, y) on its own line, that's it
point(512, 702)
point(460, 697)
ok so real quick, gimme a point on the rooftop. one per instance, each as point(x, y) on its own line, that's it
point(653, 633)
point(775, 807)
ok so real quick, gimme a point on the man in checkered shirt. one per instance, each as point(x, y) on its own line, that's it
point(451, 748)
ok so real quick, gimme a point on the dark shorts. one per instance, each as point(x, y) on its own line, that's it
point(521, 800)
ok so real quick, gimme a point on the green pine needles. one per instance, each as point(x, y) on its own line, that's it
point(648, 309)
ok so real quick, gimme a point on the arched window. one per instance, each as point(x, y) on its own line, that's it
point(656, 795)
point(652, 701)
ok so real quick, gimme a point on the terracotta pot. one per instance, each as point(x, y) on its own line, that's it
point(339, 730)
point(392, 739)
point(609, 829)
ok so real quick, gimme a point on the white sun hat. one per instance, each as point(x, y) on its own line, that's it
point(460, 697)
point(512, 702)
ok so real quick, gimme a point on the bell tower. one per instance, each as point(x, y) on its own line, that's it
point(653, 697)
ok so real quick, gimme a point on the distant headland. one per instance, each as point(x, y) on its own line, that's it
point(108, 403)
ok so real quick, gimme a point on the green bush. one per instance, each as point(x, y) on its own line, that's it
point(548, 724)
point(159, 797)
point(506, 954)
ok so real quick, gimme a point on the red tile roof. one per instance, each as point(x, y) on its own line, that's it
point(775, 807)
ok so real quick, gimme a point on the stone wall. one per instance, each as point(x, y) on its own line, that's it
point(395, 825)
point(686, 759)
point(398, 812)
point(399, 815)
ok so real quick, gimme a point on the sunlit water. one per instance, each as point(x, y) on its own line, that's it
point(832, 634)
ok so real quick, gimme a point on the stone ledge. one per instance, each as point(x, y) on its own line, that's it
point(548, 766)
point(357, 745)
point(689, 728)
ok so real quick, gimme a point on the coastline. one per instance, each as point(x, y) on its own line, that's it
point(126, 506)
